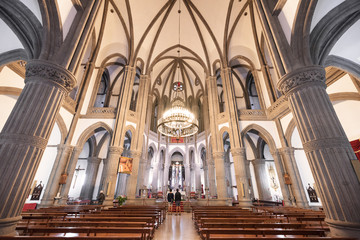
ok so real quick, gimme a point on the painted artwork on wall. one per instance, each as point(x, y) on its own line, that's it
point(37, 192)
point(312, 194)
point(125, 165)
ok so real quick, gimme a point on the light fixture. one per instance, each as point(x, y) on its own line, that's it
point(178, 121)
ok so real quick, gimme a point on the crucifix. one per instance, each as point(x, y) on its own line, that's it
point(77, 173)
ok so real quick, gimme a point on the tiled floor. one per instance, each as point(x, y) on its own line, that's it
point(177, 228)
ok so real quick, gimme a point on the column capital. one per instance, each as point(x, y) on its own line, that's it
point(216, 155)
point(135, 153)
point(259, 161)
point(94, 160)
point(65, 147)
point(287, 150)
point(237, 151)
point(301, 77)
point(45, 71)
point(144, 77)
point(115, 150)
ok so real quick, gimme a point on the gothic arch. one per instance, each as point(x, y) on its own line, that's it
point(221, 133)
point(262, 133)
point(62, 127)
point(177, 149)
point(88, 132)
point(289, 131)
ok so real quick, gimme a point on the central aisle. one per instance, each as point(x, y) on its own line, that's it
point(177, 228)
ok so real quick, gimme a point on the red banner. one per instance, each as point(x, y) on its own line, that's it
point(356, 147)
point(177, 140)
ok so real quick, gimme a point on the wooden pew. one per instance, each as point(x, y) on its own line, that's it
point(145, 231)
point(129, 236)
point(207, 232)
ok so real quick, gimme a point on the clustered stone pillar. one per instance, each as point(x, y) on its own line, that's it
point(25, 134)
point(280, 172)
point(262, 180)
point(109, 174)
point(327, 148)
point(90, 179)
point(220, 175)
point(52, 188)
point(296, 184)
point(132, 181)
point(211, 172)
point(242, 182)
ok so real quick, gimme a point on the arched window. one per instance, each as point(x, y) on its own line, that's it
point(154, 120)
point(220, 92)
point(102, 90)
point(252, 92)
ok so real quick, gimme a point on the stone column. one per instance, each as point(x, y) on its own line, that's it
point(25, 134)
point(166, 177)
point(228, 179)
point(280, 172)
point(132, 181)
point(248, 177)
point(296, 184)
point(211, 170)
point(109, 174)
point(262, 180)
point(327, 148)
point(63, 157)
point(187, 178)
point(198, 179)
point(206, 178)
point(239, 158)
point(65, 188)
point(220, 174)
point(90, 179)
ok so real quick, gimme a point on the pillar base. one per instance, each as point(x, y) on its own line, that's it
point(213, 202)
point(45, 203)
point(8, 225)
point(344, 229)
point(142, 201)
point(245, 203)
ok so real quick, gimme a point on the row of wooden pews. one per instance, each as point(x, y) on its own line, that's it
point(225, 223)
point(90, 222)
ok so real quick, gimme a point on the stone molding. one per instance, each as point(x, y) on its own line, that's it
point(21, 139)
point(278, 109)
point(44, 70)
point(300, 77)
point(252, 114)
point(69, 104)
point(237, 151)
point(100, 112)
point(315, 145)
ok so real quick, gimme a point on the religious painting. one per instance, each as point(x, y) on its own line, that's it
point(312, 194)
point(125, 165)
point(37, 192)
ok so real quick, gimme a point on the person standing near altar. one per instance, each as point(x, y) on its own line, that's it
point(170, 198)
point(177, 202)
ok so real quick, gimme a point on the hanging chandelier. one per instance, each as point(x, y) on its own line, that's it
point(178, 121)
